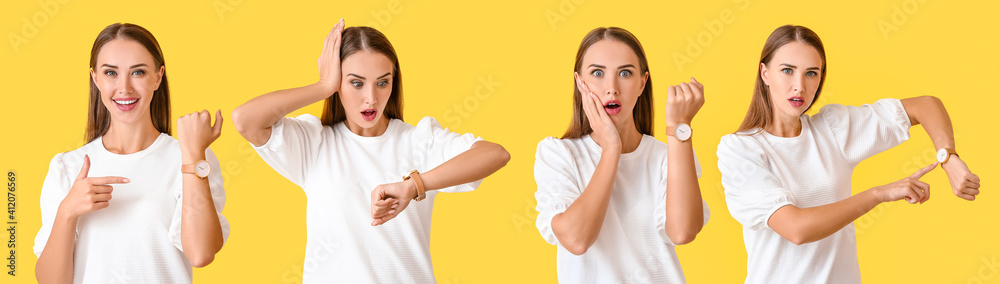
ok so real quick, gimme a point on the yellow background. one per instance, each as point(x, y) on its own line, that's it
point(221, 53)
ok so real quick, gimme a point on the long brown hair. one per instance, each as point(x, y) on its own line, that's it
point(356, 39)
point(642, 114)
point(761, 112)
point(98, 117)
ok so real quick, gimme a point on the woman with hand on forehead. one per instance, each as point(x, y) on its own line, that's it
point(365, 223)
point(611, 197)
point(787, 175)
point(134, 205)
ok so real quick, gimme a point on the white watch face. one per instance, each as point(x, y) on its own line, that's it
point(942, 155)
point(201, 168)
point(682, 132)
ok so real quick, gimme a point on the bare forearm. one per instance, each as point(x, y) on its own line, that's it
point(253, 119)
point(577, 228)
point(55, 264)
point(481, 160)
point(201, 233)
point(930, 112)
point(685, 216)
point(805, 225)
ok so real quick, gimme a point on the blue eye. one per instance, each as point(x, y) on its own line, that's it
point(624, 73)
point(787, 70)
point(597, 73)
point(382, 84)
point(110, 72)
point(357, 84)
point(811, 73)
point(138, 72)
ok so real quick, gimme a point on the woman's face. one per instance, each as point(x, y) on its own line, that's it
point(611, 70)
point(126, 76)
point(792, 78)
point(365, 89)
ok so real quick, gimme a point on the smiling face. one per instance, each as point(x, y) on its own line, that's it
point(611, 70)
point(365, 90)
point(126, 75)
point(792, 77)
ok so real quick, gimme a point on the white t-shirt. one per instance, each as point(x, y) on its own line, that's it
point(763, 172)
point(137, 238)
point(632, 246)
point(338, 170)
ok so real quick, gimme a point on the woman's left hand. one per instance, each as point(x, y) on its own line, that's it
point(683, 102)
point(964, 183)
point(195, 131)
point(390, 199)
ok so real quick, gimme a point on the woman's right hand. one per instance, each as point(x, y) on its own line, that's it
point(88, 194)
point(910, 188)
point(604, 131)
point(329, 59)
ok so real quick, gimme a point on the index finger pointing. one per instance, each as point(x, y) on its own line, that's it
point(108, 180)
point(921, 172)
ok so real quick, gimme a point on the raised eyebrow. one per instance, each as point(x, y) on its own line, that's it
point(626, 66)
point(598, 66)
point(356, 75)
point(384, 75)
point(793, 66)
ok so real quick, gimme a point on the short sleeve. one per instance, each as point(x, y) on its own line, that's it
point(660, 210)
point(56, 186)
point(753, 192)
point(293, 146)
point(863, 131)
point(558, 186)
point(215, 185)
point(436, 145)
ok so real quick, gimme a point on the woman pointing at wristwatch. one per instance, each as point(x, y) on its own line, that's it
point(133, 205)
point(365, 223)
point(787, 175)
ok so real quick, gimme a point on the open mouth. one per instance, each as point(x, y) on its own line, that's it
point(126, 104)
point(796, 101)
point(612, 107)
point(369, 114)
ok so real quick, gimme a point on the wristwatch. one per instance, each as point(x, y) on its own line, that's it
point(200, 168)
point(944, 154)
point(421, 192)
point(681, 131)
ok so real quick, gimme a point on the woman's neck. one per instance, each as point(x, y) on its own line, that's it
point(123, 138)
point(380, 127)
point(785, 126)
point(629, 136)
